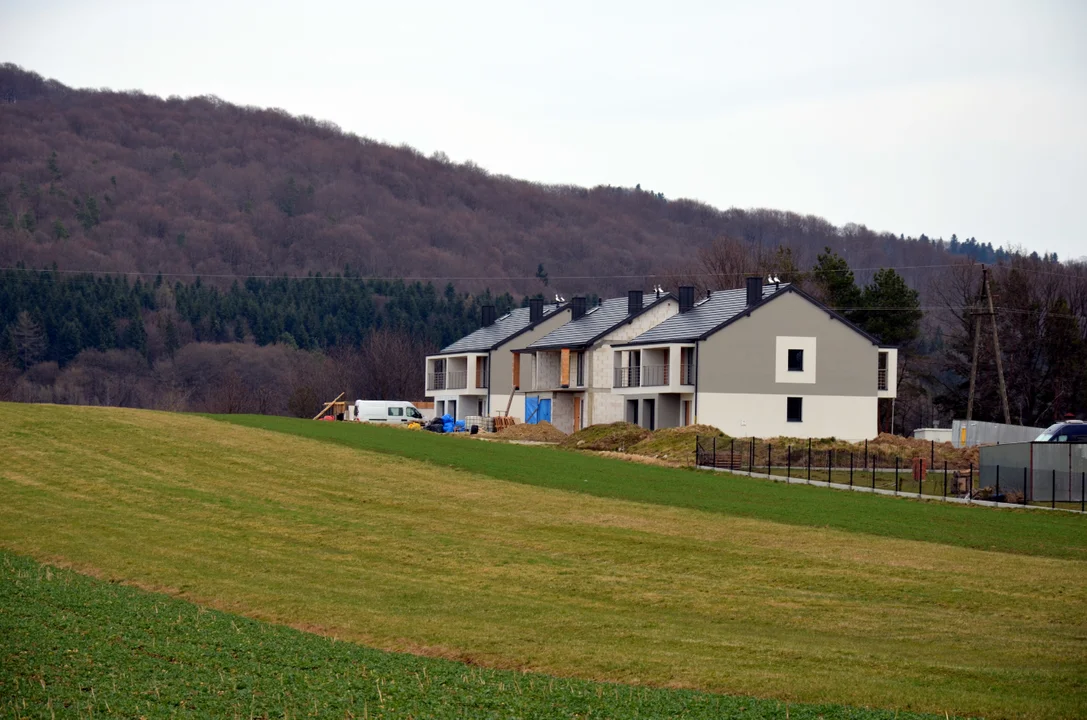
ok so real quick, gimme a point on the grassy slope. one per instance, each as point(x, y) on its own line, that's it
point(1035, 533)
point(404, 556)
point(79, 646)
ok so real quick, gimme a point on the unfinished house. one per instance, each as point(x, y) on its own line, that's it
point(474, 375)
point(566, 375)
point(762, 361)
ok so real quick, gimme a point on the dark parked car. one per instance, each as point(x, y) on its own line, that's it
point(1073, 431)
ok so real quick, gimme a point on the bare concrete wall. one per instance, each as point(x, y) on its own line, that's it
point(502, 358)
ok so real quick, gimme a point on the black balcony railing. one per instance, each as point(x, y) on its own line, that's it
point(626, 377)
point(686, 374)
point(447, 380)
point(641, 376)
point(654, 375)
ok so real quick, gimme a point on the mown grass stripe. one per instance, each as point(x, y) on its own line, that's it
point(1008, 531)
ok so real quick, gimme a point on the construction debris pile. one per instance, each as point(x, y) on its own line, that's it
point(542, 431)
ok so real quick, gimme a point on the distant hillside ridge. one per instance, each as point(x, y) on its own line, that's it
point(100, 180)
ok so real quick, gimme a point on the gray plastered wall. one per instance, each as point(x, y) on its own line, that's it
point(741, 357)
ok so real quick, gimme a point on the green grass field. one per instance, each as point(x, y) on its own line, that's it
point(76, 646)
point(412, 542)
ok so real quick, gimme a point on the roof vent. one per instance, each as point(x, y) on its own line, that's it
point(634, 302)
point(535, 310)
point(488, 315)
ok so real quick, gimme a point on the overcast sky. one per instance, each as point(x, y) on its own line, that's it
point(912, 117)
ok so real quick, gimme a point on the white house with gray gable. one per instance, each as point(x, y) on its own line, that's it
point(762, 361)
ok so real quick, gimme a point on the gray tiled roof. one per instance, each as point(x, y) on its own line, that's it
point(503, 329)
point(596, 322)
point(722, 305)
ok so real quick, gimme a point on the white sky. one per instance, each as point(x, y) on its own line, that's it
point(913, 117)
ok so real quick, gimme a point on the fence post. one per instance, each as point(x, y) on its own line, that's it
point(830, 460)
point(715, 452)
point(751, 456)
point(809, 460)
point(1082, 487)
point(945, 478)
point(1053, 491)
point(921, 476)
point(932, 453)
point(1024, 486)
point(896, 474)
point(788, 462)
point(769, 455)
point(970, 484)
point(850, 469)
point(873, 471)
point(998, 480)
point(866, 455)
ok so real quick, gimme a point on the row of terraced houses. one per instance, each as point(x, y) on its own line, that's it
point(765, 360)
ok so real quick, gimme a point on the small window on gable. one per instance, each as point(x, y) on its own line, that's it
point(795, 409)
point(796, 361)
point(396, 411)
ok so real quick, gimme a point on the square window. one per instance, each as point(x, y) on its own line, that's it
point(796, 361)
point(795, 409)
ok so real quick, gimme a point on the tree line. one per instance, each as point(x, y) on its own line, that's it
point(274, 345)
point(47, 316)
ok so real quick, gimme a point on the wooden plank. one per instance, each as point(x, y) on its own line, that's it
point(328, 405)
point(565, 380)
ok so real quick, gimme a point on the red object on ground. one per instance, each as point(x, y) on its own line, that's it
point(329, 417)
point(920, 468)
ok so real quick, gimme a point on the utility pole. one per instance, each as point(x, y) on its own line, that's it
point(996, 349)
point(991, 312)
point(974, 364)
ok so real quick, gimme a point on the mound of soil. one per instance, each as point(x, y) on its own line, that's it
point(674, 444)
point(615, 437)
point(882, 451)
point(542, 431)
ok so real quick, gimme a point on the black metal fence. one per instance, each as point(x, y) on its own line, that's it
point(922, 475)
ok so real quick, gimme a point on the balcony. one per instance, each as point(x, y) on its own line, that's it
point(686, 373)
point(882, 379)
point(628, 377)
point(446, 381)
point(654, 375)
point(641, 376)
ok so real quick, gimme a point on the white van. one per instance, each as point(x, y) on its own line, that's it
point(386, 411)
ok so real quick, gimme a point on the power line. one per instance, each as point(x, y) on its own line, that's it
point(495, 278)
point(462, 278)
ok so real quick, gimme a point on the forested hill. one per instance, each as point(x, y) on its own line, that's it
point(120, 181)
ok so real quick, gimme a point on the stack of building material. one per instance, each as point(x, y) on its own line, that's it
point(484, 423)
point(501, 423)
